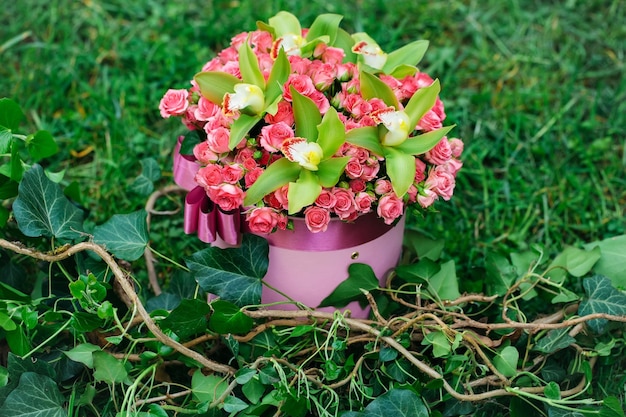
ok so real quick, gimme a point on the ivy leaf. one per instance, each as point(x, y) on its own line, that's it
point(228, 318)
point(6, 137)
point(360, 277)
point(552, 391)
point(83, 353)
point(207, 388)
point(440, 343)
point(422, 245)
point(612, 263)
point(108, 368)
point(505, 361)
point(602, 298)
point(125, 235)
point(150, 172)
point(500, 274)
point(555, 340)
point(35, 396)
point(41, 145)
point(42, 209)
point(419, 272)
point(397, 402)
point(11, 114)
point(233, 274)
point(189, 318)
point(444, 283)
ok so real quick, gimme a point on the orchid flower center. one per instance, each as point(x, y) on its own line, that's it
point(398, 127)
point(292, 43)
point(247, 98)
point(306, 154)
point(372, 55)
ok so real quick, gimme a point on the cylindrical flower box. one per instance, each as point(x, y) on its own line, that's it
point(307, 266)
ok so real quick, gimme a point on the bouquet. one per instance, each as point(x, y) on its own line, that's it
point(315, 123)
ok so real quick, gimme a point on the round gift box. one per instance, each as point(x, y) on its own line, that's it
point(307, 266)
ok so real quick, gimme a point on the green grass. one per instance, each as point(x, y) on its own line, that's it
point(537, 89)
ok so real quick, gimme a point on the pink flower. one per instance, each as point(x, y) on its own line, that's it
point(320, 101)
point(441, 182)
point(227, 196)
point(370, 169)
point(303, 84)
point(281, 196)
point(174, 103)
point(440, 154)
point(283, 114)
point(420, 170)
point(390, 207)
point(326, 199)
point(354, 169)
point(232, 173)
point(426, 198)
point(252, 175)
point(456, 147)
point(262, 220)
point(203, 154)
point(323, 75)
point(206, 109)
point(316, 219)
point(217, 139)
point(382, 187)
point(345, 205)
point(272, 136)
point(453, 166)
point(357, 185)
point(209, 176)
point(364, 202)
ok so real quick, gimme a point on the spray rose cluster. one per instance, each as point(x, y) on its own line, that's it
point(316, 123)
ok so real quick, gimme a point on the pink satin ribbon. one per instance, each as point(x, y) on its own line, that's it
point(211, 224)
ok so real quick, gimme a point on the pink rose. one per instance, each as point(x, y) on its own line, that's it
point(370, 169)
point(320, 101)
point(390, 207)
point(283, 114)
point(203, 154)
point(232, 173)
point(316, 219)
point(440, 154)
point(209, 176)
point(252, 175)
point(217, 139)
point(174, 103)
point(453, 166)
point(426, 198)
point(412, 193)
point(272, 136)
point(364, 202)
point(281, 196)
point(189, 118)
point(227, 196)
point(262, 220)
point(249, 164)
point(205, 109)
point(420, 170)
point(382, 187)
point(456, 146)
point(430, 121)
point(345, 205)
point(303, 84)
point(354, 169)
point(357, 185)
point(441, 182)
point(326, 199)
point(323, 75)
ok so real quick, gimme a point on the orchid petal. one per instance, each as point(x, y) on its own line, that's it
point(240, 128)
point(285, 23)
point(422, 101)
point(325, 24)
point(330, 170)
point(365, 137)
point(307, 154)
point(374, 87)
point(278, 77)
point(303, 192)
point(401, 170)
point(418, 145)
point(306, 114)
point(332, 133)
point(214, 85)
point(410, 54)
point(397, 127)
point(249, 66)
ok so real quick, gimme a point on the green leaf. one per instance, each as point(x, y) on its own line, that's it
point(444, 283)
point(8, 188)
point(18, 342)
point(207, 388)
point(579, 262)
point(285, 23)
point(35, 396)
point(275, 176)
point(422, 101)
point(85, 322)
point(602, 298)
point(396, 402)
point(325, 25)
point(249, 66)
point(278, 76)
point(6, 323)
point(108, 369)
point(83, 353)
point(374, 87)
point(125, 235)
point(11, 114)
point(306, 114)
point(612, 262)
point(410, 54)
point(188, 319)
point(331, 133)
point(417, 145)
point(401, 170)
point(403, 71)
point(419, 272)
point(552, 391)
point(505, 361)
point(366, 137)
point(611, 407)
point(15, 164)
point(42, 209)
point(150, 172)
point(345, 42)
point(500, 274)
point(360, 277)
point(303, 192)
point(240, 128)
point(422, 245)
point(228, 318)
point(4, 377)
point(6, 137)
point(253, 390)
point(555, 340)
point(442, 346)
point(233, 274)
point(233, 404)
point(41, 145)
point(330, 170)
point(214, 85)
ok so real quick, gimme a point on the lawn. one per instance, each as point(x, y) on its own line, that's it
point(536, 88)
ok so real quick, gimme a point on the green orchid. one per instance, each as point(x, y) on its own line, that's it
point(251, 96)
point(391, 138)
point(309, 163)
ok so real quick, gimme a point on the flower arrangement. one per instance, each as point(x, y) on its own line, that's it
point(316, 123)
